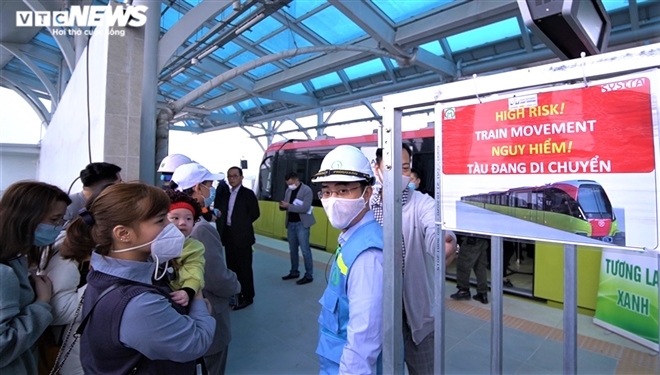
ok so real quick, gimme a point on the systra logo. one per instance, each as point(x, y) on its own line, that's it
point(85, 16)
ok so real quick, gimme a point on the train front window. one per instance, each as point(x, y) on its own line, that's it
point(594, 202)
point(264, 185)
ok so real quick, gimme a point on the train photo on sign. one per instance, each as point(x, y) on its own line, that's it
point(533, 261)
point(578, 206)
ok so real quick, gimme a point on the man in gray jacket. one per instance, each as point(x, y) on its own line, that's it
point(419, 241)
point(298, 205)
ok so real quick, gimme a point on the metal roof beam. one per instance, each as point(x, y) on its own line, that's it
point(436, 64)
point(305, 71)
point(14, 50)
point(62, 41)
point(33, 84)
point(452, 21)
point(240, 81)
point(48, 55)
point(287, 97)
point(371, 22)
point(316, 67)
point(186, 27)
point(29, 97)
point(224, 117)
point(302, 31)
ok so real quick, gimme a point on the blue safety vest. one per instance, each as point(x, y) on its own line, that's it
point(334, 312)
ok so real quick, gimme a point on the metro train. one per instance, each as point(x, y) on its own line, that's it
point(577, 206)
point(304, 157)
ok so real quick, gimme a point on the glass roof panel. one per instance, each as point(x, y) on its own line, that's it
point(265, 101)
point(46, 67)
point(433, 47)
point(227, 50)
point(243, 58)
point(195, 70)
point(395, 63)
point(364, 69)
point(215, 92)
point(284, 40)
point(177, 94)
point(193, 2)
point(333, 26)
point(484, 34)
point(46, 38)
point(329, 79)
point(611, 5)
point(261, 29)
point(301, 7)
point(180, 78)
point(170, 17)
point(166, 87)
point(263, 70)
point(229, 110)
point(198, 34)
point(247, 104)
point(298, 88)
point(399, 10)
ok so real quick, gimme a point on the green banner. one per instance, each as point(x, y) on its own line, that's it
point(628, 296)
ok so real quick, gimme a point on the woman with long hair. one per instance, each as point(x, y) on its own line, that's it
point(31, 217)
point(129, 325)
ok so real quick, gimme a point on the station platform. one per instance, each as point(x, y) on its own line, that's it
point(278, 334)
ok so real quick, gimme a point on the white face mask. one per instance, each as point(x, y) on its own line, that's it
point(167, 245)
point(292, 187)
point(404, 179)
point(342, 211)
point(405, 182)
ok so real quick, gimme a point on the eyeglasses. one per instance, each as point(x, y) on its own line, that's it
point(340, 193)
point(233, 176)
point(57, 222)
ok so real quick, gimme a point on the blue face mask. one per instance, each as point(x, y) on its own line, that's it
point(46, 234)
point(412, 186)
point(208, 201)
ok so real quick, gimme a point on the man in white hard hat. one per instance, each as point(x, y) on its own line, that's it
point(169, 164)
point(350, 339)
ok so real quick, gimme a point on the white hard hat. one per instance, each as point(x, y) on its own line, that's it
point(191, 174)
point(172, 162)
point(345, 164)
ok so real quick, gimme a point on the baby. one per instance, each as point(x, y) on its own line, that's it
point(188, 277)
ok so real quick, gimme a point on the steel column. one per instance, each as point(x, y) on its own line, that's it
point(570, 309)
point(496, 280)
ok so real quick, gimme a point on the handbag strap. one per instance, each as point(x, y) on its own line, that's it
point(85, 320)
point(58, 364)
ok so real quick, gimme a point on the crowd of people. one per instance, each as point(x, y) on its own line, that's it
point(127, 278)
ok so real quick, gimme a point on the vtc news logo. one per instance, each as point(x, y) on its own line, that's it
point(85, 16)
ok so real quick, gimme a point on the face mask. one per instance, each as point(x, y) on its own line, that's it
point(165, 247)
point(412, 186)
point(46, 234)
point(342, 211)
point(208, 201)
point(292, 187)
point(405, 182)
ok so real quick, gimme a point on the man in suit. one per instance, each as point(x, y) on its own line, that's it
point(220, 210)
point(298, 205)
point(242, 209)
